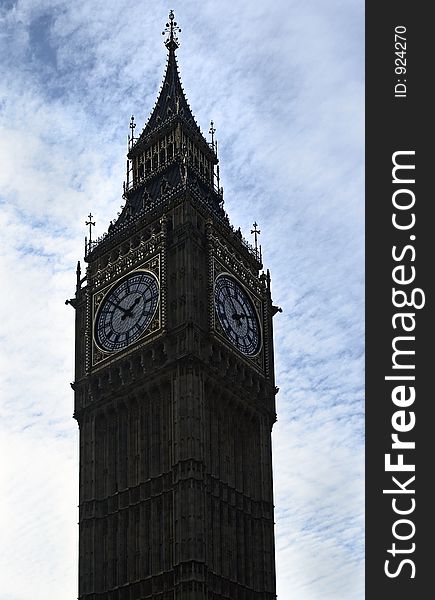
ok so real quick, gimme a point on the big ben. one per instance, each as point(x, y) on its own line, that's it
point(174, 380)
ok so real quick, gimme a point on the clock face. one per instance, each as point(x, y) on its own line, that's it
point(126, 311)
point(237, 315)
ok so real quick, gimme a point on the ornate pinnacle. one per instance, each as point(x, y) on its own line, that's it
point(212, 131)
point(91, 223)
point(132, 128)
point(256, 232)
point(171, 29)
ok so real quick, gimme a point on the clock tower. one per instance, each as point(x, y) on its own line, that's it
point(174, 381)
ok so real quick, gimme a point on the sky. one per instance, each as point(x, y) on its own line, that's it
point(284, 84)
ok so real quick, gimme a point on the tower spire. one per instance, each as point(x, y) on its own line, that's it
point(172, 100)
point(171, 147)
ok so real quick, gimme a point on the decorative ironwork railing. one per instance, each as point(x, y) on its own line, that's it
point(165, 199)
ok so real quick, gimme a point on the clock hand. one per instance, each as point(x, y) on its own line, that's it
point(238, 316)
point(125, 310)
point(128, 311)
point(134, 303)
point(235, 315)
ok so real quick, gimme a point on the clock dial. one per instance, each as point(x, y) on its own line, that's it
point(126, 311)
point(237, 315)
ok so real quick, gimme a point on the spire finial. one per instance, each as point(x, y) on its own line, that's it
point(132, 127)
point(256, 232)
point(91, 223)
point(171, 29)
point(212, 131)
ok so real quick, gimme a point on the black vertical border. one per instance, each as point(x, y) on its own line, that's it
point(394, 124)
